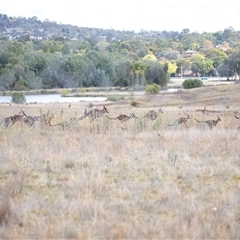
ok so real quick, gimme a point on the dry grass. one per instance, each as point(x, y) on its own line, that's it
point(100, 181)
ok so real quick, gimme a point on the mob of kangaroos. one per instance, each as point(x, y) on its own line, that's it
point(10, 121)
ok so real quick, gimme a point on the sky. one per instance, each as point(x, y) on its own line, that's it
point(159, 15)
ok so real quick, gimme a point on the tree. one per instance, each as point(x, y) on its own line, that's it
point(234, 62)
point(200, 65)
point(183, 65)
point(224, 69)
point(216, 55)
point(170, 54)
point(156, 72)
point(18, 97)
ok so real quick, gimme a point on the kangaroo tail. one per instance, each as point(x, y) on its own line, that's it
point(196, 120)
point(111, 118)
point(172, 124)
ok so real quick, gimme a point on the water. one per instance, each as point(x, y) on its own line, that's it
point(53, 98)
point(56, 98)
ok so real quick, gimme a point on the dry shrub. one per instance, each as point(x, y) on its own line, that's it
point(12, 191)
point(5, 210)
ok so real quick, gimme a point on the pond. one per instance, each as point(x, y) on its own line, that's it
point(53, 98)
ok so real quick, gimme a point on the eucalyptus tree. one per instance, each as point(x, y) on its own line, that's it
point(224, 69)
point(155, 72)
point(234, 62)
point(216, 55)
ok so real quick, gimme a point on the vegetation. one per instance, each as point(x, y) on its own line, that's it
point(18, 97)
point(46, 55)
point(148, 181)
point(152, 89)
point(192, 83)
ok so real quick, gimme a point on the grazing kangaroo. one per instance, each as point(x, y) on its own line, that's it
point(236, 117)
point(152, 114)
point(181, 120)
point(95, 113)
point(123, 117)
point(210, 123)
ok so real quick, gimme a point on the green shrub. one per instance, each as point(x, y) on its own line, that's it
point(152, 89)
point(192, 83)
point(64, 91)
point(83, 90)
point(18, 97)
point(115, 98)
point(134, 103)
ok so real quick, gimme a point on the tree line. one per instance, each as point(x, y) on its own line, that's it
point(69, 64)
point(29, 63)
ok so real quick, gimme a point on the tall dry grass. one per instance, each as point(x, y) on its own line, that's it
point(97, 180)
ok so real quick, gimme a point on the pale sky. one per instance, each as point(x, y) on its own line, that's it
point(159, 15)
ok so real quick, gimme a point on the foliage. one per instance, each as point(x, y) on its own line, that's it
point(114, 98)
point(64, 91)
point(74, 57)
point(172, 67)
point(18, 98)
point(234, 62)
point(152, 89)
point(192, 83)
point(134, 103)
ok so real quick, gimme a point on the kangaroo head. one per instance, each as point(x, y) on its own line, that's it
point(132, 115)
point(105, 109)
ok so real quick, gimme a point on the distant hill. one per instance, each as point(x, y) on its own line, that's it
point(15, 27)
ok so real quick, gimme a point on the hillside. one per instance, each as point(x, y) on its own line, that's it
point(22, 28)
point(220, 97)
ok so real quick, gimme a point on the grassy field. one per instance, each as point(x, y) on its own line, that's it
point(138, 180)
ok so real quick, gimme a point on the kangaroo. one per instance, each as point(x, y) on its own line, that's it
point(123, 117)
point(152, 114)
point(29, 120)
point(63, 125)
point(95, 113)
point(204, 110)
point(10, 121)
point(6, 121)
point(45, 119)
point(181, 120)
point(210, 123)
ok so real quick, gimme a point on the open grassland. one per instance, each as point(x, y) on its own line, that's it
point(142, 179)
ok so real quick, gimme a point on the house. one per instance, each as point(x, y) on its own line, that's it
point(188, 53)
